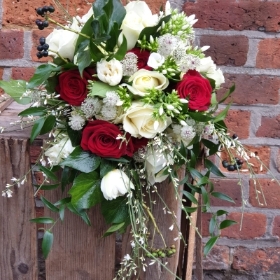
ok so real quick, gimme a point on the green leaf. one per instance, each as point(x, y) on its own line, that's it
point(190, 209)
point(213, 168)
point(49, 204)
point(210, 244)
point(113, 229)
point(62, 212)
point(46, 187)
point(213, 148)
point(48, 172)
point(119, 55)
point(227, 223)
point(67, 177)
point(63, 201)
point(222, 196)
point(16, 88)
point(87, 30)
point(83, 214)
point(74, 135)
point(227, 94)
point(212, 225)
point(34, 111)
point(221, 212)
point(100, 89)
point(195, 174)
point(205, 197)
point(41, 74)
point(106, 166)
point(82, 161)
point(221, 116)
point(83, 56)
point(202, 181)
point(190, 197)
point(47, 243)
point(36, 129)
point(85, 191)
point(200, 117)
point(49, 124)
point(115, 211)
point(42, 220)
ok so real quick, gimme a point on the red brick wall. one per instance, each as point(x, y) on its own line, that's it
point(245, 43)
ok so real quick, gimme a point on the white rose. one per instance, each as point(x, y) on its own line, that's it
point(64, 41)
point(85, 17)
point(109, 72)
point(59, 151)
point(209, 68)
point(139, 121)
point(155, 165)
point(155, 60)
point(143, 80)
point(115, 183)
point(138, 16)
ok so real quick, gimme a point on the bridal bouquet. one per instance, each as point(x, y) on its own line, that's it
point(127, 101)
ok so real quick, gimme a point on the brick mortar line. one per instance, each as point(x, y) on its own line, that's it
point(249, 70)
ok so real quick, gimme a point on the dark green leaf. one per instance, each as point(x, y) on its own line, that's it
point(87, 30)
point(49, 204)
point(221, 212)
point(47, 243)
point(41, 74)
point(61, 212)
point(227, 94)
point(67, 177)
point(119, 55)
point(190, 209)
point(209, 245)
point(205, 197)
point(48, 124)
point(50, 174)
point(200, 117)
point(202, 181)
point(82, 161)
point(222, 196)
point(213, 148)
point(107, 166)
point(43, 220)
point(46, 187)
point(85, 191)
point(213, 168)
point(195, 174)
point(36, 129)
point(212, 225)
point(83, 56)
point(74, 135)
point(115, 211)
point(63, 201)
point(83, 214)
point(221, 116)
point(34, 111)
point(113, 229)
point(52, 82)
point(190, 197)
point(16, 88)
point(227, 223)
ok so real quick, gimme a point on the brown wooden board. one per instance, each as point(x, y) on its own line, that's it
point(164, 221)
point(18, 238)
point(79, 251)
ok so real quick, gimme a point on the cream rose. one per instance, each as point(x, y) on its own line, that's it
point(144, 80)
point(138, 16)
point(59, 151)
point(139, 121)
point(115, 183)
point(109, 72)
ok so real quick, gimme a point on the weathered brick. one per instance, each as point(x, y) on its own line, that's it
point(270, 127)
point(238, 122)
point(205, 224)
point(251, 89)
point(36, 34)
point(265, 194)
point(22, 73)
point(263, 152)
point(229, 187)
point(268, 55)
point(238, 15)
point(253, 226)
point(217, 259)
point(226, 50)
point(258, 260)
point(22, 13)
point(11, 44)
point(276, 226)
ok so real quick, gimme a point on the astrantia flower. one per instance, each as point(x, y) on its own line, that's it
point(76, 122)
point(109, 72)
point(91, 106)
point(115, 183)
point(187, 133)
point(109, 112)
point(167, 44)
point(129, 64)
point(188, 62)
point(111, 99)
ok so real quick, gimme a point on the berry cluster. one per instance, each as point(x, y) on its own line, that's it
point(161, 253)
point(42, 11)
point(42, 48)
point(233, 165)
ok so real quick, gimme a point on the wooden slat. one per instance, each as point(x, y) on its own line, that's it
point(164, 221)
point(18, 238)
point(5, 101)
point(79, 252)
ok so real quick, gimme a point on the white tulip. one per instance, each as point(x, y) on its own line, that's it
point(144, 80)
point(109, 72)
point(59, 151)
point(115, 183)
point(139, 121)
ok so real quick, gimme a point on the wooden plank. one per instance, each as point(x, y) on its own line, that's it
point(79, 252)
point(18, 238)
point(164, 221)
point(5, 101)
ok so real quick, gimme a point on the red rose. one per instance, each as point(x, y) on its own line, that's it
point(100, 137)
point(139, 143)
point(143, 57)
point(72, 87)
point(196, 89)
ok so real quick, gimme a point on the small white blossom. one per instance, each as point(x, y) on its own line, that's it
point(129, 64)
point(111, 99)
point(76, 122)
point(91, 106)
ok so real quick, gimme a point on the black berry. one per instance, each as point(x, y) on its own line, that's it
point(234, 136)
point(40, 48)
point(45, 23)
point(45, 53)
point(41, 27)
point(225, 163)
point(231, 167)
point(40, 11)
point(51, 9)
point(39, 55)
point(42, 40)
point(45, 9)
point(45, 47)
